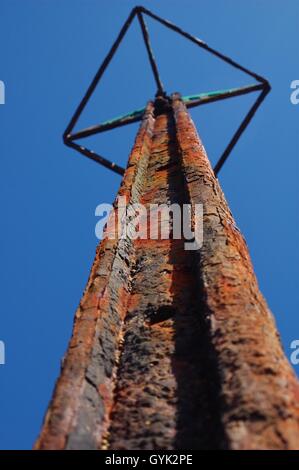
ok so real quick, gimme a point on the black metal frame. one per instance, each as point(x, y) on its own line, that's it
point(190, 102)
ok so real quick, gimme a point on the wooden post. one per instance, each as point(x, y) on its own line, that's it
point(173, 349)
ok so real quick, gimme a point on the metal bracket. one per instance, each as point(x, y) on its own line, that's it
point(190, 101)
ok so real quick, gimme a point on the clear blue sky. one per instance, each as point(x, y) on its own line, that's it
point(50, 50)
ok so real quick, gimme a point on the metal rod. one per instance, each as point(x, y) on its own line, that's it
point(150, 53)
point(99, 73)
point(221, 95)
point(202, 44)
point(113, 124)
point(136, 116)
point(97, 158)
point(190, 102)
point(241, 129)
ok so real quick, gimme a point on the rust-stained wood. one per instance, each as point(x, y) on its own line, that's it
point(173, 349)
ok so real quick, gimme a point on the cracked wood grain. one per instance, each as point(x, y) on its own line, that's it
point(173, 349)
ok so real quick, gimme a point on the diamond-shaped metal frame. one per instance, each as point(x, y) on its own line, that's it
point(190, 101)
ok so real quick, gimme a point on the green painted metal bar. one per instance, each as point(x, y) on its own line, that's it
point(195, 100)
point(190, 101)
point(119, 121)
